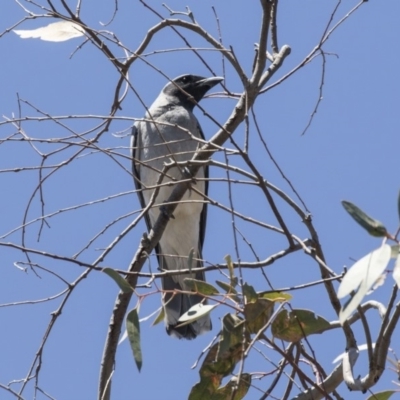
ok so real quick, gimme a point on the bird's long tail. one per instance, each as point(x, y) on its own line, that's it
point(176, 304)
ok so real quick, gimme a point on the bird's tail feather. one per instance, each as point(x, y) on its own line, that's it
point(177, 304)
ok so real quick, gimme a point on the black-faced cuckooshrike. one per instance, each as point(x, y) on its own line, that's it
point(168, 133)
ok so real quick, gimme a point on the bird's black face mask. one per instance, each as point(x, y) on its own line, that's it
point(190, 89)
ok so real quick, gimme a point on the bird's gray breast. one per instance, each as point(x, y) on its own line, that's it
point(167, 134)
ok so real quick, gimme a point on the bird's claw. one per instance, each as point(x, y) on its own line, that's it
point(168, 214)
point(145, 242)
point(186, 174)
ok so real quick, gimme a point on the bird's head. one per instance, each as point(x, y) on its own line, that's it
point(190, 89)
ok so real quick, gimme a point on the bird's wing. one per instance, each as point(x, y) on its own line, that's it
point(203, 217)
point(135, 153)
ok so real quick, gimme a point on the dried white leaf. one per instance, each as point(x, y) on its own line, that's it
point(362, 275)
point(54, 32)
point(195, 312)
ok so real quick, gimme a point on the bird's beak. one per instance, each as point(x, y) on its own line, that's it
point(210, 82)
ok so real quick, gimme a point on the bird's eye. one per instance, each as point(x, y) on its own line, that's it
point(186, 79)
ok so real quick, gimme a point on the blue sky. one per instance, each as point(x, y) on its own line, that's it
point(349, 152)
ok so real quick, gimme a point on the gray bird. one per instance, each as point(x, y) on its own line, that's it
point(168, 134)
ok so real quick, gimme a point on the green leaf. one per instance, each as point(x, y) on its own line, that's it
point(215, 367)
point(278, 297)
point(250, 293)
point(294, 325)
point(258, 314)
point(220, 361)
point(133, 329)
point(119, 280)
point(218, 364)
point(200, 287)
point(382, 395)
point(225, 392)
point(230, 291)
point(231, 269)
point(372, 226)
point(205, 388)
point(232, 332)
point(226, 286)
point(160, 317)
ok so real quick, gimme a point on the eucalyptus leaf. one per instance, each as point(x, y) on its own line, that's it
point(231, 269)
point(368, 269)
point(160, 317)
point(249, 293)
point(133, 329)
point(294, 325)
point(362, 275)
point(119, 280)
point(195, 312)
point(201, 287)
point(54, 32)
point(226, 286)
point(382, 395)
point(371, 225)
point(278, 297)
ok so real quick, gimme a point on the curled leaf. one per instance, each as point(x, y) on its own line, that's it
point(231, 269)
point(278, 297)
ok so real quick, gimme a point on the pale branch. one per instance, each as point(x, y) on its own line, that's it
point(194, 28)
point(328, 385)
point(30, 302)
point(262, 48)
point(237, 65)
point(315, 50)
point(274, 27)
